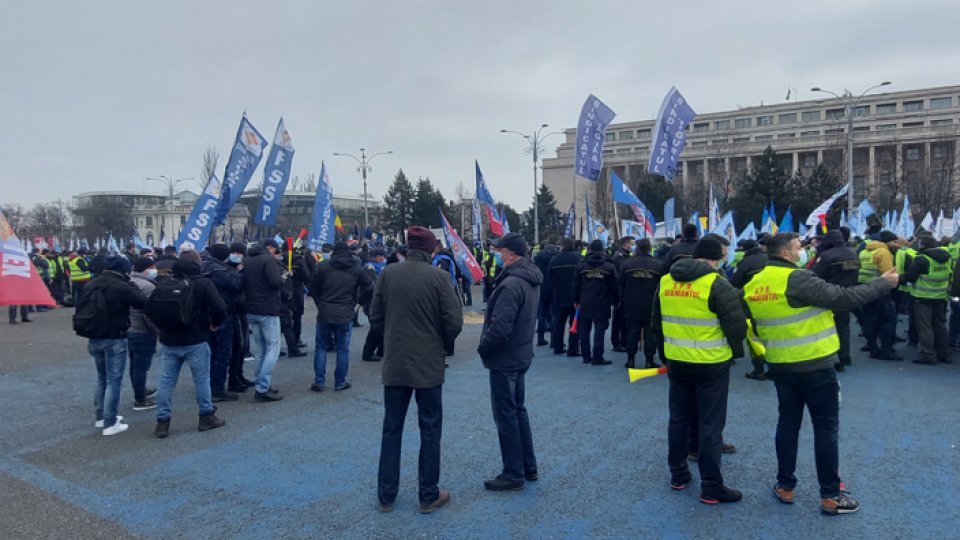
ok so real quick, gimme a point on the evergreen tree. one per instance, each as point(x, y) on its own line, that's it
point(653, 190)
point(428, 201)
point(514, 222)
point(550, 218)
point(806, 193)
point(398, 204)
point(754, 191)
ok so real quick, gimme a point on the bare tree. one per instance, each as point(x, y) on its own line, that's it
point(309, 183)
point(211, 156)
point(16, 214)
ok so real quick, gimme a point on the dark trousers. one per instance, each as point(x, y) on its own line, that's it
point(24, 313)
point(703, 403)
point(637, 330)
point(297, 326)
point(584, 327)
point(618, 329)
point(954, 323)
point(141, 347)
point(286, 329)
point(507, 395)
point(544, 319)
point(467, 292)
point(879, 325)
point(931, 318)
point(77, 290)
point(820, 393)
point(487, 287)
point(241, 336)
point(841, 319)
point(373, 345)
point(396, 399)
point(913, 337)
point(561, 317)
point(221, 354)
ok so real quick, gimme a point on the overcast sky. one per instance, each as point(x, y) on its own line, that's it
point(100, 95)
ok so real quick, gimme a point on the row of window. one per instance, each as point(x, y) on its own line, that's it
point(910, 153)
point(791, 118)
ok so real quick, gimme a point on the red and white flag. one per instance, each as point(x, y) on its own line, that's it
point(20, 284)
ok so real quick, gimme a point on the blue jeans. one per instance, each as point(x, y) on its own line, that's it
point(265, 336)
point(142, 346)
point(507, 395)
point(221, 350)
point(110, 356)
point(341, 337)
point(198, 357)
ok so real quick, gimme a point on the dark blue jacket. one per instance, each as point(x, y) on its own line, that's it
point(506, 342)
point(542, 260)
point(228, 281)
point(562, 270)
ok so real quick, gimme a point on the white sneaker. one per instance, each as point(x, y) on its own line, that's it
point(99, 423)
point(114, 429)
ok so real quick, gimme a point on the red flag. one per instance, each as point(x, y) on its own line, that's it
point(20, 284)
point(461, 254)
point(496, 227)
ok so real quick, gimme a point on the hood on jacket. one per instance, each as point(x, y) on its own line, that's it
point(258, 249)
point(596, 258)
point(524, 269)
point(343, 260)
point(688, 269)
point(831, 240)
point(186, 268)
point(753, 251)
point(874, 245)
point(937, 254)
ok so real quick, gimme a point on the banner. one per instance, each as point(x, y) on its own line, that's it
point(571, 220)
point(276, 174)
point(669, 209)
point(786, 224)
point(461, 254)
point(595, 116)
point(622, 193)
point(322, 227)
point(645, 218)
point(477, 221)
point(635, 229)
point(244, 158)
point(814, 218)
point(196, 229)
point(20, 283)
point(590, 230)
point(486, 199)
point(669, 136)
point(927, 222)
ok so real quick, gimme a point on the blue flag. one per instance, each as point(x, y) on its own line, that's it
point(669, 136)
point(786, 224)
point(595, 116)
point(590, 230)
point(276, 174)
point(475, 211)
point(621, 193)
point(668, 210)
point(196, 229)
point(571, 220)
point(244, 158)
point(322, 229)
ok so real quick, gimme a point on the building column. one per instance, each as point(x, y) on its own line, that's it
point(898, 167)
point(706, 172)
point(871, 172)
point(796, 162)
point(926, 160)
point(727, 168)
point(749, 163)
point(820, 157)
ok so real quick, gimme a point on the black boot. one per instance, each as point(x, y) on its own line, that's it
point(631, 358)
point(651, 363)
point(210, 421)
point(162, 429)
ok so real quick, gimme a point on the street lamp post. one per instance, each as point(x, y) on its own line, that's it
point(849, 105)
point(363, 168)
point(534, 149)
point(171, 184)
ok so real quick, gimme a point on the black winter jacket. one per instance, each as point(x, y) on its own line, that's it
point(595, 286)
point(725, 301)
point(681, 250)
point(121, 294)
point(753, 261)
point(228, 281)
point(562, 271)
point(506, 341)
point(208, 309)
point(639, 278)
point(262, 280)
point(337, 286)
point(835, 262)
point(542, 260)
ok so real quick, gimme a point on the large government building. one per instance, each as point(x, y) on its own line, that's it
point(897, 136)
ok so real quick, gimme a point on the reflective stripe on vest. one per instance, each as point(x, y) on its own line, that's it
point(76, 274)
point(868, 270)
point(789, 334)
point(932, 285)
point(691, 332)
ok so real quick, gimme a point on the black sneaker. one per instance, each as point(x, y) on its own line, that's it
point(162, 429)
point(237, 388)
point(619, 348)
point(601, 362)
point(217, 397)
point(531, 476)
point(542, 343)
point(151, 393)
point(210, 421)
point(726, 495)
point(317, 387)
point(501, 484)
point(680, 483)
point(841, 504)
point(267, 397)
point(145, 405)
point(297, 354)
point(344, 386)
point(756, 375)
point(373, 358)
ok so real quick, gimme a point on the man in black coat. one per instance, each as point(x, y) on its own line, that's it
point(837, 264)
point(754, 260)
point(337, 286)
point(506, 348)
point(562, 270)
point(229, 285)
point(639, 278)
point(618, 332)
point(262, 281)
point(545, 313)
point(595, 290)
point(683, 248)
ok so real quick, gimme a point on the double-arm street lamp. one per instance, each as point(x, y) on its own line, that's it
point(171, 185)
point(534, 148)
point(849, 105)
point(363, 167)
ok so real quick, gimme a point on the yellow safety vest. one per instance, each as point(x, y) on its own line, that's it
point(900, 260)
point(868, 270)
point(933, 285)
point(691, 332)
point(76, 274)
point(789, 334)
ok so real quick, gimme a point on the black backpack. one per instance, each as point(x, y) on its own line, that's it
point(91, 313)
point(171, 303)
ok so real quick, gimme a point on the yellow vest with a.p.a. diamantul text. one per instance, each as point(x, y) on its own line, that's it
point(691, 332)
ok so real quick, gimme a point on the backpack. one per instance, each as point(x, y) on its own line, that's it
point(171, 303)
point(91, 312)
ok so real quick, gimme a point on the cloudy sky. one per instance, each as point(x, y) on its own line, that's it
point(100, 95)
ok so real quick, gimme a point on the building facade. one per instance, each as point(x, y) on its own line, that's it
point(902, 143)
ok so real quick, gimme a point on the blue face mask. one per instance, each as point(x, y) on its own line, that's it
point(235, 258)
point(498, 258)
point(151, 274)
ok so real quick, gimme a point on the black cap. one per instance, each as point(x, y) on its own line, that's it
point(514, 242)
point(887, 236)
point(270, 242)
point(238, 247)
point(596, 245)
point(708, 248)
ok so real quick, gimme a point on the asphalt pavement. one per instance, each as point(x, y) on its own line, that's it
point(306, 467)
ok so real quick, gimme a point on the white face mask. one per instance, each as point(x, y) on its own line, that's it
point(151, 273)
point(236, 258)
